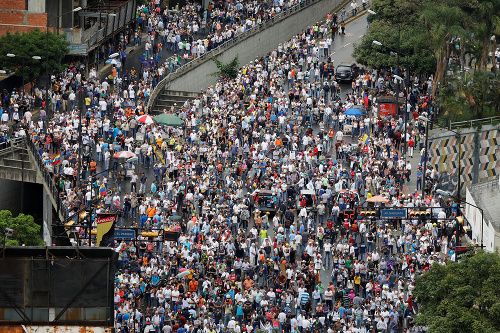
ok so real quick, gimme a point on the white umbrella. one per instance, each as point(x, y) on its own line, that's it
point(113, 61)
point(124, 154)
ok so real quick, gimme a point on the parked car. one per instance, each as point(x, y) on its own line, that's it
point(344, 72)
point(265, 201)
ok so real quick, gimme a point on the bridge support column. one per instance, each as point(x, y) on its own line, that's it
point(47, 217)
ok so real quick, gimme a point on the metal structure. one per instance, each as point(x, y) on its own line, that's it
point(57, 286)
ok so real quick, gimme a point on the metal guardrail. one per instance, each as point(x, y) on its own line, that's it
point(47, 178)
point(473, 122)
point(226, 45)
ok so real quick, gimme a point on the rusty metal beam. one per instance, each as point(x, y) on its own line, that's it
point(59, 315)
point(16, 307)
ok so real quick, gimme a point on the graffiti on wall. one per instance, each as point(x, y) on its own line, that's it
point(448, 181)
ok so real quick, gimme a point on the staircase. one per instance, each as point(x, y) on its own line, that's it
point(167, 98)
point(16, 164)
point(20, 161)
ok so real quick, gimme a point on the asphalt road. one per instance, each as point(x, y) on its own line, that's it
point(342, 49)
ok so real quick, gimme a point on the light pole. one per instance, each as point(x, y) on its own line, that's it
point(459, 169)
point(12, 55)
point(446, 194)
point(47, 56)
point(427, 121)
point(99, 28)
point(396, 76)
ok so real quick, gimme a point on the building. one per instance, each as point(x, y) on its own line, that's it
point(485, 220)
point(22, 16)
point(89, 25)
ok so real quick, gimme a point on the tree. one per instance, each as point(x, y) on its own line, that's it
point(227, 71)
point(397, 25)
point(33, 43)
point(26, 231)
point(461, 297)
point(470, 95)
point(485, 19)
point(443, 22)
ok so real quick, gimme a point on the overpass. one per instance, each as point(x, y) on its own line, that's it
point(188, 80)
point(21, 162)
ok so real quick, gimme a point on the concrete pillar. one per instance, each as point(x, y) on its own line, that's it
point(475, 157)
point(37, 6)
point(47, 217)
point(67, 19)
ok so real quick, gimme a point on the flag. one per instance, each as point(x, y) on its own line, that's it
point(105, 229)
point(102, 190)
point(365, 139)
point(251, 108)
point(56, 160)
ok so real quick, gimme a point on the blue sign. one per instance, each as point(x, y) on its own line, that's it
point(393, 213)
point(124, 234)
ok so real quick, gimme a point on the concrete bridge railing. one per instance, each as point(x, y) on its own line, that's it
point(254, 43)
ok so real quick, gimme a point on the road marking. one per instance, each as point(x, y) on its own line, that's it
point(346, 45)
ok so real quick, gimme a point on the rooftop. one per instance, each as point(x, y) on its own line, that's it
point(487, 196)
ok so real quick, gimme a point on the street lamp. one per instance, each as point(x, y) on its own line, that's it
point(371, 12)
point(12, 55)
point(426, 120)
point(47, 56)
point(94, 202)
point(398, 52)
point(446, 194)
point(459, 169)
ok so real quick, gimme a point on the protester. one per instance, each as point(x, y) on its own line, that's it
point(257, 184)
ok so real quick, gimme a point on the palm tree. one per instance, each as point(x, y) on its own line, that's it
point(443, 23)
point(486, 18)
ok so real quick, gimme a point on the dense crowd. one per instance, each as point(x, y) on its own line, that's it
point(256, 184)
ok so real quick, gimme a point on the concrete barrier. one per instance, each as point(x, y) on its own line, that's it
point(255, 46)
point(257, 42)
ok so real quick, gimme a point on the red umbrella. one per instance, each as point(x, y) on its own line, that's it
point(145, 119)
point(124, 154)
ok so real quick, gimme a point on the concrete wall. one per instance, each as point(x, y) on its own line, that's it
point(480, 155)
point(480, 228)
point(255, 46)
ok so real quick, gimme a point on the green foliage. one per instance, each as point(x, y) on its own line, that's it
point(461, 297)
point(227, 71)
point(430, 33)
point(414, 43)
point(27, 231)
point(33, 43)
point(470, 95)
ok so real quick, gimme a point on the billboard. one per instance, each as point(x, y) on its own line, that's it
point(57, 286)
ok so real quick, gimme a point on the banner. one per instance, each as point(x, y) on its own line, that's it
point(106, 229)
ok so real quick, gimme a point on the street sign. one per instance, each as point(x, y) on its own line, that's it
point(124, 234)
point(393, 213)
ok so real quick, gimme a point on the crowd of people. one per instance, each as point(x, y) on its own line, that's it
point(255, 184)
